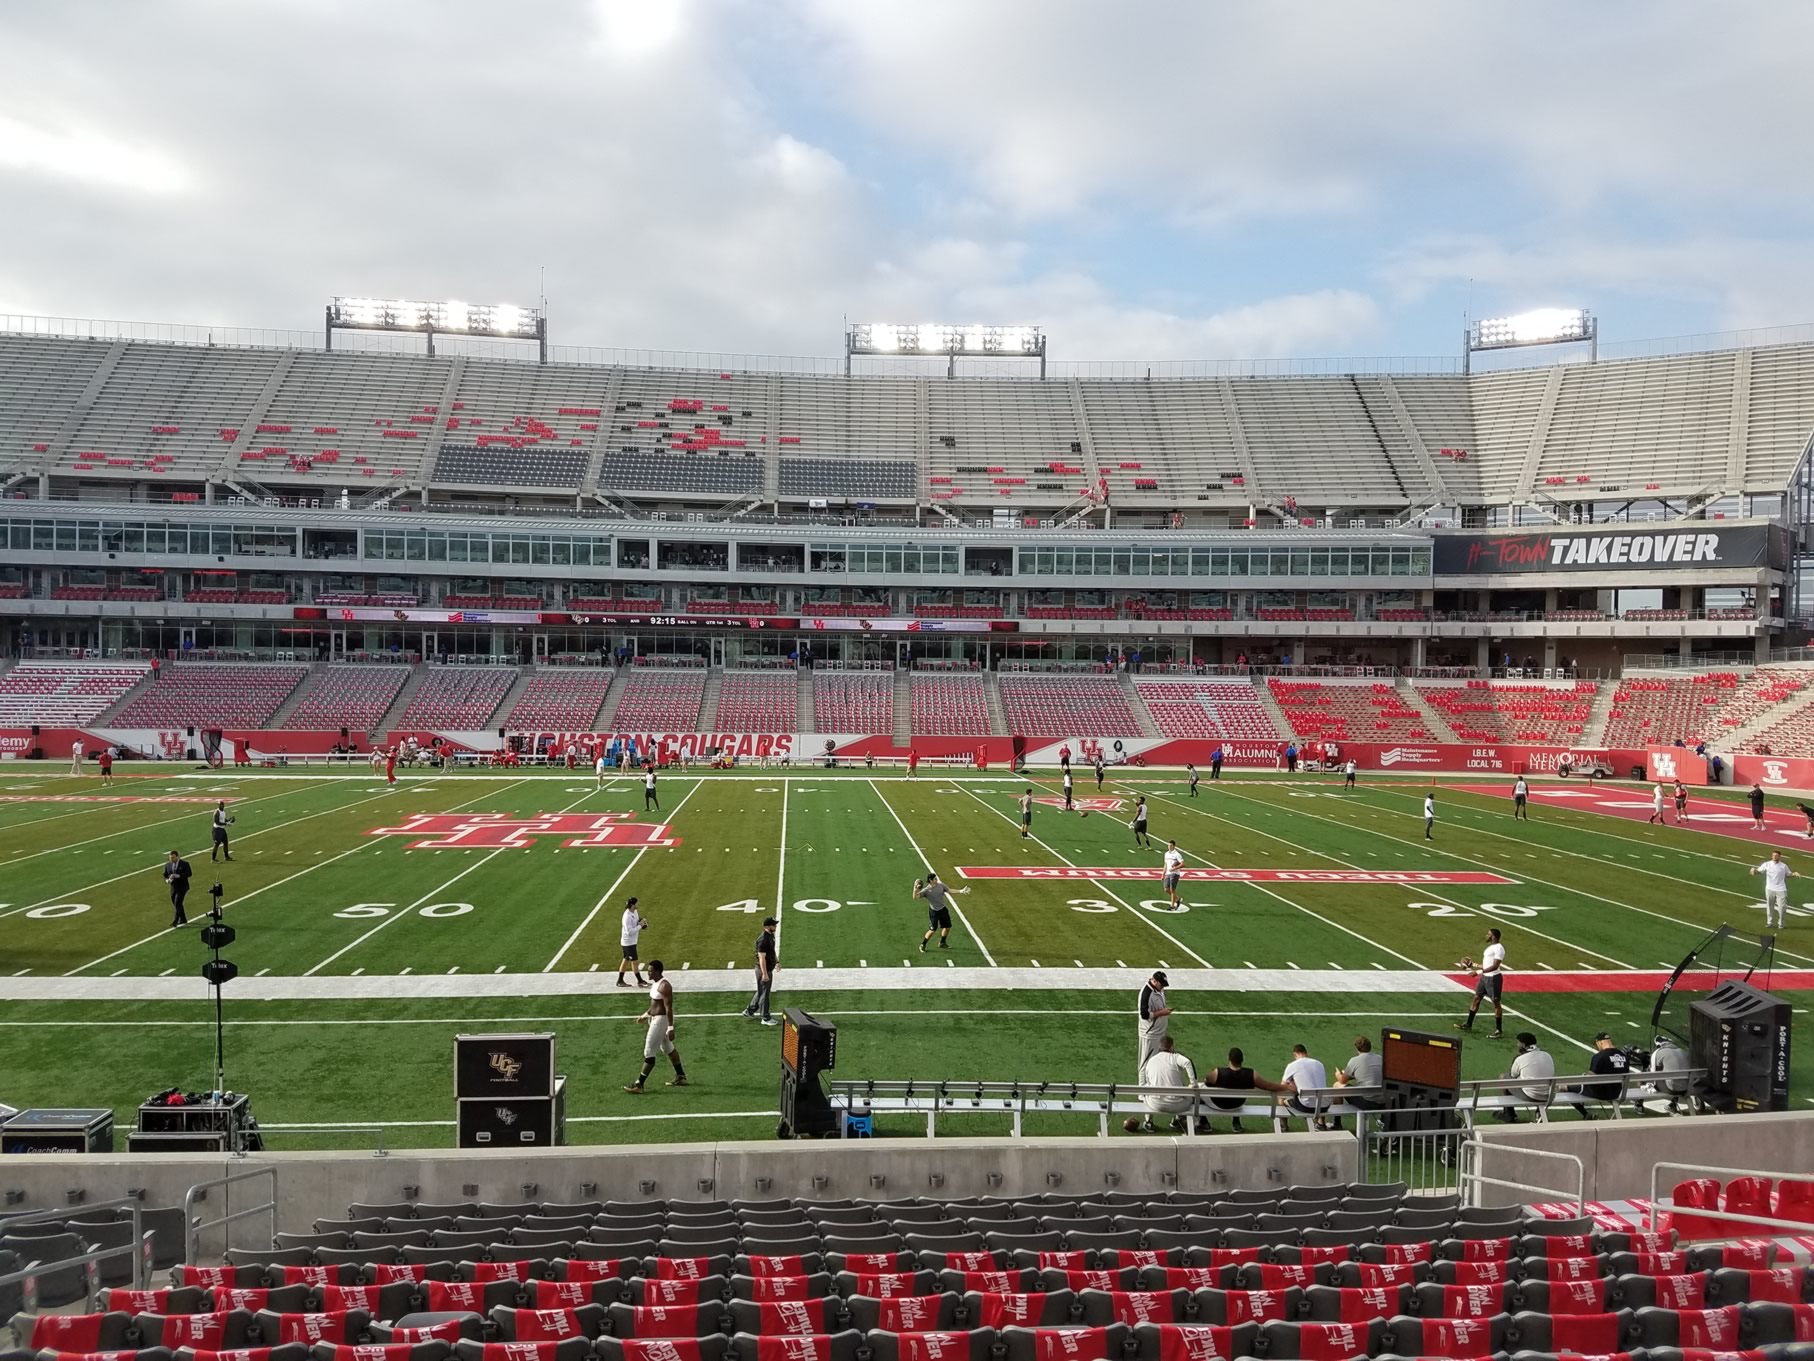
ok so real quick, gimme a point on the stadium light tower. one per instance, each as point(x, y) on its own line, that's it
point(1545, 326)
point(504, 321)
point(954, 342)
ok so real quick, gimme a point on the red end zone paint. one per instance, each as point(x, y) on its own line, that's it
point(1235, 876)
point(116, 798)
point(1618, 980)
point(1783, 827)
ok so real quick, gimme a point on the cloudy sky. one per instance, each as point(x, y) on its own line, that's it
point(1148, 180)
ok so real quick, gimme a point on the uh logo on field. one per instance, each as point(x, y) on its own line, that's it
point(452, 831)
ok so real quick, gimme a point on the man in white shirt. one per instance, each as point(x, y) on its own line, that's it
point(1656, 806)
point(598, 770)
point(1429, 815)
point(1304, 1074)
point(1533, 1061)
point(75, 758)
point(627, 936)
point(649, 799)
point(1489, 981)
point(1521, 797)
point(1776, 874)
point(1167, 1068)
point(1174, 871)
point(1348, 773)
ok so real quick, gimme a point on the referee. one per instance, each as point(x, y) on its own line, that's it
point(221, 822)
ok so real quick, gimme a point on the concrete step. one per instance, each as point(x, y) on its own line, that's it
point(708, 706)
point(511, 696)
point(1271, 706)
point(607, 712)
point(1148, 728)
point(903, 707)
point(1438, 725)
point(804, 714)
point(394, 715)
point(998, 720)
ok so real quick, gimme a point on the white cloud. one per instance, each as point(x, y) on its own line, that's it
point(89, 156)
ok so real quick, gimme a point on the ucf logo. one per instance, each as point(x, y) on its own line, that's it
point(506, 1116)
point(506, 1066)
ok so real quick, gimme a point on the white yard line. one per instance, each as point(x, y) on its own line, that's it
point(781, 873)
point(205, 1023)
point(927, 862)
point(193, 814)
point(1509, 1011)
point(1097, 883)
point(1632, 868)
point(963, 981)
point(68, 894)
point(617, 883)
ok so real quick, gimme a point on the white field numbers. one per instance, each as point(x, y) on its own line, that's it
point(1502, 910)
point(1150, 904)
point(798, 905)
point(436, 910)
point(52, 911)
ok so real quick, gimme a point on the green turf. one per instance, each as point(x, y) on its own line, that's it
point(834, 854)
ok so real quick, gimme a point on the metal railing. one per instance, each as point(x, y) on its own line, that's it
point(1101, 1100)
point(139, 1250)
point(193, 1226)
point(1426, 1160)
point(1659, 1204)
point(1471, 1178)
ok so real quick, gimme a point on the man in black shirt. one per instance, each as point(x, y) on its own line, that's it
point(1757, 807)
point(766, 959)
point(1608, 1061)
point(1236, 1077)
point(177, 874)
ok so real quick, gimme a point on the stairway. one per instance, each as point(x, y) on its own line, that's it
point(903, 707)
point(394, 715)
point(1599, 715)
point(1264, 693)
point(607, 711)
point(288, 707)
point(113, 711)
point(803, 714)
point(998, 721)
point(708, 705)
point(511, 696)
point(1148, 728)
point(1437, 726)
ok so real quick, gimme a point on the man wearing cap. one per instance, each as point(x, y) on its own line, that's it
point(1533, 1062)
point(1609, 1061)
point(1153, 1013)
point(766, 959)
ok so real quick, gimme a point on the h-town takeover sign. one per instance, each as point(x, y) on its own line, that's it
point(1600, 550)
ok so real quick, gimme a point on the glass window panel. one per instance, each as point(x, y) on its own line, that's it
point(135, 539)
point(540, 549)
point(154, 538)
point(519, 548)
point(1382, 562)
point(415, 546)
point(1300, 562)
point(892, 560)
point(560, 552)
point(1319, 562)
point(66, 536)
point(910, 559)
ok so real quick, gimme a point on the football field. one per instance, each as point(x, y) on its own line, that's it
point(374, 924)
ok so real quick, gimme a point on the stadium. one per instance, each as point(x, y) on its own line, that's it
point(1333, 834)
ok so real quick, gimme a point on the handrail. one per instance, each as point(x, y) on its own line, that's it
point(140, 1247)
point(1471, 1177)
point(1660, 1203)
point(192, 1226)
point(378, 1151)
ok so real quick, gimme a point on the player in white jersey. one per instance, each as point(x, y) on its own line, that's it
point(1349, 771)
point(1174, 872)
point(1026, 812)
point(75, 758)
point(1776, 874)
point(659, 1018)
point(1521, 793)
point(1656, 806)
point(1489, 983)
point(1429, 816)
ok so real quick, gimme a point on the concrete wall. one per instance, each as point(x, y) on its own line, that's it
point(1618, 1158)
point(1618, 1155)
point(322, 1185)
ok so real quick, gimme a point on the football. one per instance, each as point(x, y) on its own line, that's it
point(1131, 1124)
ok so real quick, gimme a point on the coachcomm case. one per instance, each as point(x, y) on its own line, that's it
point(507, 1093)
